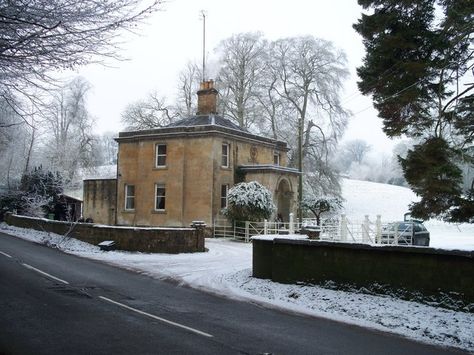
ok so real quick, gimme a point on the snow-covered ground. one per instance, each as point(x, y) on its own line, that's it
point(226, 270)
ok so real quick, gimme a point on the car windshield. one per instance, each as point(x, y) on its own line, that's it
point(402, 226)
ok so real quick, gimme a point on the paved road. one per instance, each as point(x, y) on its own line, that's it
point(55, 303)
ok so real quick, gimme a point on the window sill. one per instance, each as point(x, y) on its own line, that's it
point(165, 167)
point(158, 211)
point(226, 167)
point(128, 211)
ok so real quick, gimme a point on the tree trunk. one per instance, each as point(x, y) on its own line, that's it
point(30, 150)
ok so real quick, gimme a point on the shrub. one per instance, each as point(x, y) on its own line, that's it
point(249, 202)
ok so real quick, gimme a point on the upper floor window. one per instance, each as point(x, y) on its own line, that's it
point(276, 158)
point(160, 197)
point(129, 197)
point(224, 192)
point(225, 155)
point(160, 155)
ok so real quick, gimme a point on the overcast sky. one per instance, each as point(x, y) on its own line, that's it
point(173, 36)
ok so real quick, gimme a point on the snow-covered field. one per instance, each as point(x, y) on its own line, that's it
point(226, 270)
point(391, 202)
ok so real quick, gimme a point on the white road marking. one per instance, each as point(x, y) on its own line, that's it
point(157, 318)
point(45, 274)
point(8, 256)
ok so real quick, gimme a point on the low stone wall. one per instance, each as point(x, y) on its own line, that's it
point(428, 271)
point(148, 240)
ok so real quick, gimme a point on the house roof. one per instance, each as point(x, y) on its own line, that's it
point(69, 197)
point(200, 125)
point(205, 120)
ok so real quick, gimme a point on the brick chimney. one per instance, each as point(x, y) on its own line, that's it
point(207, 98)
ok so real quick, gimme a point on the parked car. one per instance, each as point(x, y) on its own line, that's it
point(406, 233)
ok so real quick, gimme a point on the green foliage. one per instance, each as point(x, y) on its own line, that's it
point(397, 37)
point(464, 211)
point(418, 57)
point(464, 125)
point(432, 175)
point(249, 202)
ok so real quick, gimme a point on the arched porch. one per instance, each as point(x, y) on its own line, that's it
point(284, 199)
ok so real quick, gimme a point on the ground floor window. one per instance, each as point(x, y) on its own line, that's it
point(224, 191)
point(129, 197)
point(160, 197)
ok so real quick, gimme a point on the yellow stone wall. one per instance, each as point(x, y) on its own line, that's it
point(136, 166)
point(100, 200)
point(281, 186)
point(264, 154)
point(193, 177)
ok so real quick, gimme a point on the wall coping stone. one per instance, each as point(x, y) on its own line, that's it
point(391, 248)
point(171, 240)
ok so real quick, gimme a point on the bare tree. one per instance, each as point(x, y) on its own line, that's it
point(108, 148)
point(41, 36)
point(274, 110)
point(242, 60)
point(17, 143)
point(69, 126)
point(188, 85)
point(148, 114)
point(356, 150)
point(310, 73)
point(322, 174)
point(287, 86)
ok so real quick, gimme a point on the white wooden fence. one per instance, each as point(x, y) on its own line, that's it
point(340, 229)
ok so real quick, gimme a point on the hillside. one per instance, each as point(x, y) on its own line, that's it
point(371, 198)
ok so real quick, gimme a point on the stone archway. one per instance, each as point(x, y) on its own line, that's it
point(284, 199)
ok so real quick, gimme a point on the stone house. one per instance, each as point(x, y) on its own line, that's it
point(173, 175)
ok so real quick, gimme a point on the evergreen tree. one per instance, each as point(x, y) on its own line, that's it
point(432, 174)
point(419, 58)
